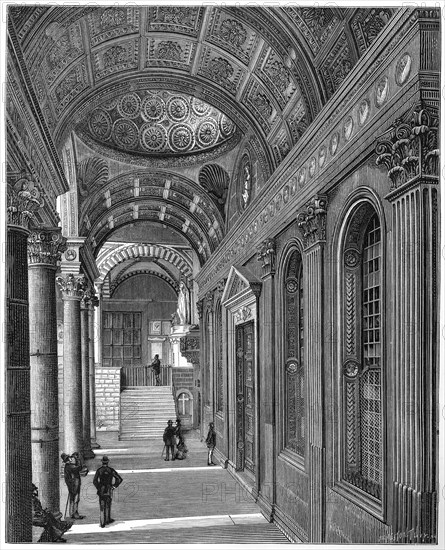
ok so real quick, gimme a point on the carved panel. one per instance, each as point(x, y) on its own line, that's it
point(337, 65)
point(176, 53)
point(316, 25)
point(70, 87)
point(181, 19)
point(112, 22)
point(122, 56)
point(220, 70)
point(367, 24)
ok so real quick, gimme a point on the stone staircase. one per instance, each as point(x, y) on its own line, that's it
point(145, 411)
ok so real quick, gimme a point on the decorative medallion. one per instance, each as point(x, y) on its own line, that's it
point(100, 124)
point(351, 258)
point(291, 285)
point(177, 109)
point(233, 32)
point(381, 91)
point(153, 138)
point(302, 177)
point(348, 128)
point(181, 138)
point(125, 133)
point(312, 166)
point(153, 109)
point(129, 106)
point(403, 69)
point(351, 368)
point(292, 366)
point(363, 112)
point(207, 133)
point(321, 156)
point(199, 107)
point(70, 255)
point(333, 146)
point(240, 444)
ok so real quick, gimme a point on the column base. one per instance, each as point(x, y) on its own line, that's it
point(88, 454)
point(95, 445)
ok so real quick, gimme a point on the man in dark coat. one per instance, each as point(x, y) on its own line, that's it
point(169, 438)
point(156, 366)
point(71, 474)
point(211, 443)
point(106, 480)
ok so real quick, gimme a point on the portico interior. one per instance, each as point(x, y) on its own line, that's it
point(282, 165)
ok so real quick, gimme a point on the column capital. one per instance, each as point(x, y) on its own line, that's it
point(200, 307)
point(312, 221)
point(45, 246)
point(24, 199)
point(87, 297)
point(72, 286)
point(409, 150)
point(267, 255)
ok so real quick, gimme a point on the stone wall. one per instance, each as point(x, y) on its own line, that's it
point(107, 398)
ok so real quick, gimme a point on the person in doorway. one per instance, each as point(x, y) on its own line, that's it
point(169, 438)
point(106, 480)
point(211, 443)
point(71, 474)
point(156, 366)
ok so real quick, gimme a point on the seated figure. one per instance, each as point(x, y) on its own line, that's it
point(52, 524)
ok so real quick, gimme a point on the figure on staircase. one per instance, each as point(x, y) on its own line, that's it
point(183, 311)
point(156, 366)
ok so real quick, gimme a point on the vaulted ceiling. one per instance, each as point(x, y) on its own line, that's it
point(169, 86)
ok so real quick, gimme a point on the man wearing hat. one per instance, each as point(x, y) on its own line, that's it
point(169, 438)
point(71, 474)
point(105, 480)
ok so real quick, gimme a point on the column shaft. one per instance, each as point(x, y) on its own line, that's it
point(92, 375)
point(44, 384)
point(18, 413)
point(86, 398)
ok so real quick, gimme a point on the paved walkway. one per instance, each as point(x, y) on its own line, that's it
point(180, 502)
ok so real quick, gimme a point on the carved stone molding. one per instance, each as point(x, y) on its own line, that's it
point(409, 149)
point(312, 221)
point(72, 286)
point(45, 246)
point(189, 346)
point(87, 297)
point(24, 199)
point(199, 308)
point(267, 254)
point(243, 315)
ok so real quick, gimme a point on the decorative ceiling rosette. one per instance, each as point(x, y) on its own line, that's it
point(207, 133)
point(129, 106)
point(153, 137)
point(125, 133)
point(153, 108)
point(100, 124)
point(177, 108)
point(181, 138)
point(157, 123)
point(199, 107)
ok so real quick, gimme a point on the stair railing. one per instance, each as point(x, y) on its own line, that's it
point(143, 375)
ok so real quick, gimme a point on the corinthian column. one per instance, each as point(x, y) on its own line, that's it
point(72, 287)
point(44, 251)
point(94, 302)
point(312, 224)
point(85, 352)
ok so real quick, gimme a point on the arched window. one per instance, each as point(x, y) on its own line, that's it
point(363, 409)
point(294, 392)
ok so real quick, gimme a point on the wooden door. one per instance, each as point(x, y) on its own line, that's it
point(245, 397)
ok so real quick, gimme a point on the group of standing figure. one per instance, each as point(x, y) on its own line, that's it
point(174, 443)
point(105, 480)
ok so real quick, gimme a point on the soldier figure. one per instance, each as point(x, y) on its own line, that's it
point(72, 479)
point(211, 443)
point(169, 438)
point(105, 481)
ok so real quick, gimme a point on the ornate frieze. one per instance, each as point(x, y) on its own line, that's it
point(72, 286)
point(410, 149)
point(267, 255)
point(45, 246)
point(23, 200)
point(189, 346)
point(312, 221)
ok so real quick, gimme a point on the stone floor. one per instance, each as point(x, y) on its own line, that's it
point(159, 502)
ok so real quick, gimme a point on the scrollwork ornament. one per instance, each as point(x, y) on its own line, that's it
point(23, 199)
point(45, 246)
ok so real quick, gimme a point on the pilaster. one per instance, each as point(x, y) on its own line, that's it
point(411, 155)
point(312, 224)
